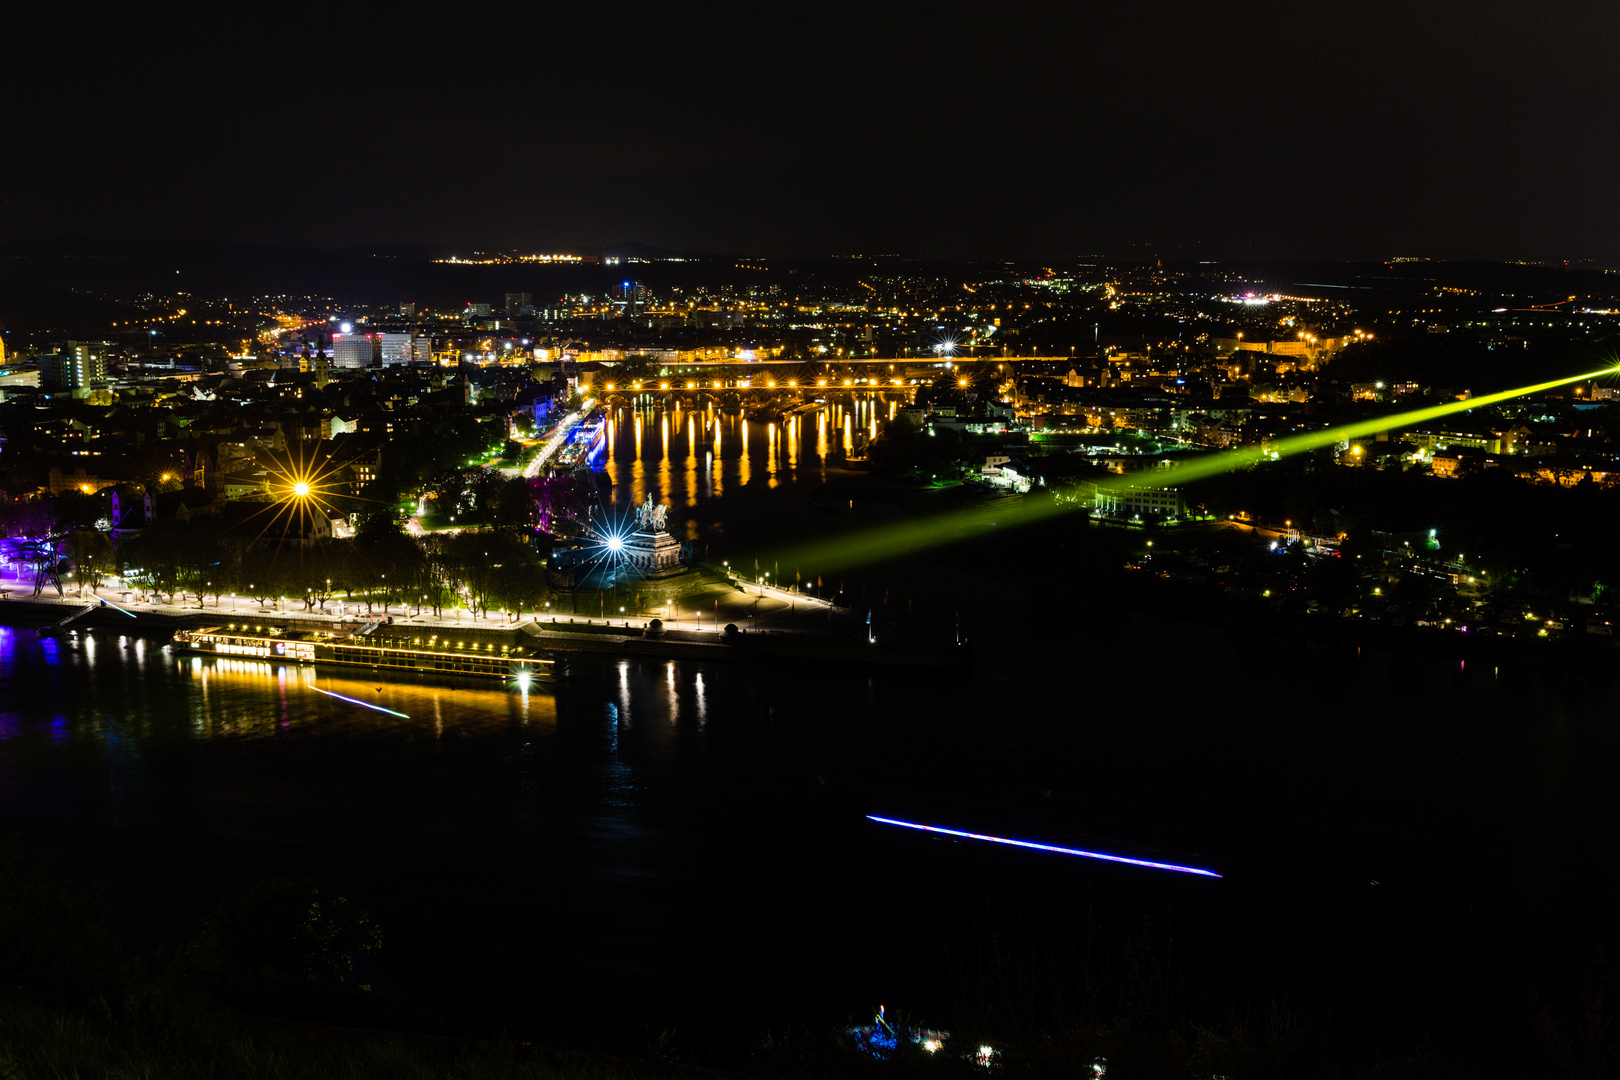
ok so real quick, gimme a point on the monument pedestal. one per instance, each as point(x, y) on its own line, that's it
point(652, 554)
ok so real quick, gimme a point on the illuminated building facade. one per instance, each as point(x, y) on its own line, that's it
point(1134, 502)
point(78, 367)
point(356, 350)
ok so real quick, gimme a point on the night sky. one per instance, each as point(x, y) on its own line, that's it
point(1357, 130)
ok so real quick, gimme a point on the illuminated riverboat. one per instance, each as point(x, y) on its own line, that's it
point(585, 444)
point(479, 652)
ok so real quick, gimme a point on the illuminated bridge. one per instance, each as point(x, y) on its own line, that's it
point(883, 374)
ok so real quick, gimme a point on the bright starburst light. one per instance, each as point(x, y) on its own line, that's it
point(604, 541)
point(301, 487)
point(603, 537)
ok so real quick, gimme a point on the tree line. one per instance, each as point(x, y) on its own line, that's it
point(486, 570)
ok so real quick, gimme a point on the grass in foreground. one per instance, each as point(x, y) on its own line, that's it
point(38, 1043)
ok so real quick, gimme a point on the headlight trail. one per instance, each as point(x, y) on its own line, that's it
point(887, 542)
point(1044, 847)
point(357, 701)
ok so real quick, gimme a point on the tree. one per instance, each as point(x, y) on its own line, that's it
point(198, 560)
point(514, 505)
point(32, 520)
point(320, 572)
point(56, 941)
point(1334, 583)
point(151, 557)
point(395, 558)
point(433, 582)
point(94, 559)
point(521, 587)
point(282, 947)
point(75, 509)
point(264, 572)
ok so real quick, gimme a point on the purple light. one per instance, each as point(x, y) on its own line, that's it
point(1044, 847)
point(356, 701)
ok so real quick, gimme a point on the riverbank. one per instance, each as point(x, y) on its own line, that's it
point(560, 635)
point(1174, 600)
point(1119, 592)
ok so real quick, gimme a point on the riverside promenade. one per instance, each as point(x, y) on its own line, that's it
point(769, 624)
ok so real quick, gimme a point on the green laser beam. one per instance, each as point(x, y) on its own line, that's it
point(887, 542)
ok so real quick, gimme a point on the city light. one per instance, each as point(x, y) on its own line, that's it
point(889, 541)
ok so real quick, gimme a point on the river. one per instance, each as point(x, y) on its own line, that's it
point(1407, 843)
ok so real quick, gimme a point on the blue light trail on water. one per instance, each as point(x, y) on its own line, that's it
point(357, 701)
point(1044, 847)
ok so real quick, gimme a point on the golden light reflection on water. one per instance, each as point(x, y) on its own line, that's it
point(665, 469)
point(701, 450)
point(692, 464)
point(255, 699)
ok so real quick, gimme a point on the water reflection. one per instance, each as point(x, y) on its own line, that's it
point(102, 685)
point(704, 453)
point(232, 695)
point(631, 809)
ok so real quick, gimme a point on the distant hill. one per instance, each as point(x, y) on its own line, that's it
point(33, 308)
point(380, 276)
point(632, 249)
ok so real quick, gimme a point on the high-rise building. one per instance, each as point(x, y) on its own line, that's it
point(85, 350)
point(396, 348)
point(356, 350)
point(78, 366)
point(407, 310)
point(517, 301)
point(634, 296)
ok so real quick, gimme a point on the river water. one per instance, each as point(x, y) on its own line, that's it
point(1407, 843)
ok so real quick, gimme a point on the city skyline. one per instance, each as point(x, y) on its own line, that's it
point(1100, 517)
